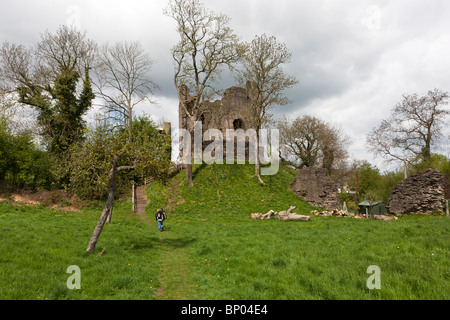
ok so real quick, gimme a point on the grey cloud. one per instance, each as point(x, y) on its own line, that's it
point(353, 58)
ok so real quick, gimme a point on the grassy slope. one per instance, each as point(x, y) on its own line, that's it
point(234, 257)
point(211, 249)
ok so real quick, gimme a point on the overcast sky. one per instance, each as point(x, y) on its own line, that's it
point(353, 58)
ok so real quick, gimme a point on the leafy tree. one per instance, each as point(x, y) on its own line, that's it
point(5, 148)
point(437, 161)
point(47, 77)
point(88, 162)
point(22, 163)
point(369, 178)
point(387, 183)
point(308, 141)
point(95, 165)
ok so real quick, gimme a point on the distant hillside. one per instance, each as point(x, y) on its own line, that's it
point(225, 191)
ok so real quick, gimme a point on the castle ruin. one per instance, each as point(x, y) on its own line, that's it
point(233, 111)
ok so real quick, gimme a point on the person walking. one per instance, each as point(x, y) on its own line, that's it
point(160, 218)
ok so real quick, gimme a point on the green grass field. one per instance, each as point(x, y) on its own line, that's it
point(211, 249)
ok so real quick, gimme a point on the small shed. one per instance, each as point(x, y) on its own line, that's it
point(377, 207)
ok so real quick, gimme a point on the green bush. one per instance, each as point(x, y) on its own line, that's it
point(22, 163)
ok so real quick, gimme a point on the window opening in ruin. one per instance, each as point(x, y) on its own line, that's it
point(238, 124)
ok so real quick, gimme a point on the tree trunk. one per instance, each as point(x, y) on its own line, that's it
point(129, 125)
point(426, 151)
point(268, 215)
point(108, 220)
point(108, 209)
point(188, 165)
point(189, 126)
point(299, 217)
point(385, 218)
point(257, 164)
point(282, 215)
point(106, 214)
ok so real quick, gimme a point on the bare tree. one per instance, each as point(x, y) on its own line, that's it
point(22, 118)
point(207, 44)
point(308, 141)
point(413, 128)
point(263, 68)
point(67, 49)
point(123, 80)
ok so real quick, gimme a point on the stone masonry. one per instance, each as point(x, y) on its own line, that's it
point(314, 186)
point(233, 111)
point(420, 193)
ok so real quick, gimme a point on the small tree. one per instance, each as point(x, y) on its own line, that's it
point(22, 163)
point(96, 163)
point(369, 180)
point(308, 141)
point(262, 67)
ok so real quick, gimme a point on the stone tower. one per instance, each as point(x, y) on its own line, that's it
point(233, 111)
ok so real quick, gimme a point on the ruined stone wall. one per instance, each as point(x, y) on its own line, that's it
point(419, 193)
point(231, 112)
point(314, 186)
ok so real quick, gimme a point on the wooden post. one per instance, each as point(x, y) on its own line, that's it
point(133, 196)
point(447, 209)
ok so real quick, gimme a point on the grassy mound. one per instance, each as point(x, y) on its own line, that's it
point(225, 191)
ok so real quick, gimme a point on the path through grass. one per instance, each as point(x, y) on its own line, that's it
point(175, 272)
